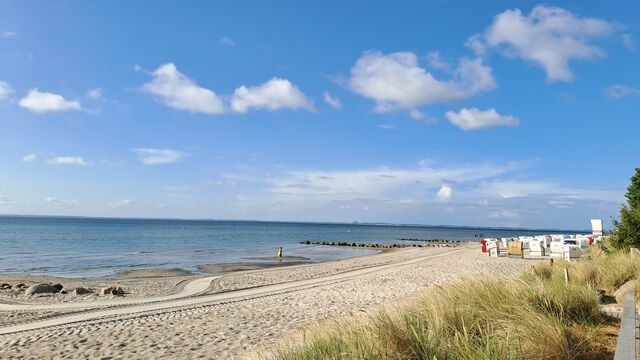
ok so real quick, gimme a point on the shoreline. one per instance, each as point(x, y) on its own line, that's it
point(205, 268)
point(134, 272)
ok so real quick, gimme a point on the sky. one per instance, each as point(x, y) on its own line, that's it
point(428, 112)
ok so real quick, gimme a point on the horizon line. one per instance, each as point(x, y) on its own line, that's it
point(290, 222)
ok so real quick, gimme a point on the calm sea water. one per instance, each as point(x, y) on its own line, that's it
point(91, 247)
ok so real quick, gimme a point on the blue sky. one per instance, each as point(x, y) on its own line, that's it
point(432, 112)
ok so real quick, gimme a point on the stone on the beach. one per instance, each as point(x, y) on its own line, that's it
point(118, 291)
point(41, 288)
point(112, 290)
point(58, 287)
point(20, 286)
point(5, 286)
point(106, 290)
point(81, 291)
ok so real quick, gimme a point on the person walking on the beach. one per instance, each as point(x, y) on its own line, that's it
point(280, 252)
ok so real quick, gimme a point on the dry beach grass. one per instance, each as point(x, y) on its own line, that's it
point(535, 316)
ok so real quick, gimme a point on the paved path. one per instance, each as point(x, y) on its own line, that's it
point(191, 296)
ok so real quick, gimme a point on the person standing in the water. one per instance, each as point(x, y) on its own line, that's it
point(280, 252)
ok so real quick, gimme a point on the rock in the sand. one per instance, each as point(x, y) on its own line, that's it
point(5, 286)
point(106, 290)
point(81, 291)
point(58, 287)
point(41, 288)
point(20, 286)
point(112, 290)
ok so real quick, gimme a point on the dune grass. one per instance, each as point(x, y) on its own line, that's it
point(534, 316)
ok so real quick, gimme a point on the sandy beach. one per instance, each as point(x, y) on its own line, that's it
point(228, 315)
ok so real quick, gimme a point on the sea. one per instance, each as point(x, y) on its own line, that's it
point(97, 247)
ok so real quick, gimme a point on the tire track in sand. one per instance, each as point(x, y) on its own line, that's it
point(177, 301)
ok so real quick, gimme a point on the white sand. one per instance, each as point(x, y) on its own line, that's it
point(239, 326)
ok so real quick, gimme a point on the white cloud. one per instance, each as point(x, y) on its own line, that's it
point(378, 183)
point(515, 189)
point(137, 67)
point(29, 158)
point(68, 160)
point(42, 102)
point(123, 203)
point(481, 194)
point(422, 117)
point(8, 34)
point(94, 94)
point(628, 42)
point(54, 200)
point(272, 95)
point(225, 40)
point(334, 102)
point(4, 200)
point(473, 118)
point(550, 37)
point(176, 90)
point(386, 127)
point(150, 156)
point(397, 80)
point(504, 214)
point(435, 61)
point(619, 91)
point(226, 182)
point(5, 90)
point(445, 193)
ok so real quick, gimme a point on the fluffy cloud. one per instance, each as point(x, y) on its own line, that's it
point(619, 91)
point(68, 160)
point(397, 80)
point(94, 94)
point(379, 183)
point(334, 102)
point(227, 41)
point(5, 90)
point(537, 190)
point(176, 90)
point(4, 200)
point(54, 200)
point(481, 194)
point(550, 37)
point(445, 193)
point(150, 156)
point(274, 94)
point(123, 203)
point(8, 34)
point(43, 102)
point(473, 118)
point(435, 61)
point(29, 158)
point(627, 41)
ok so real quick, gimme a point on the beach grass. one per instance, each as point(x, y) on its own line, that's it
point(536, 315)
